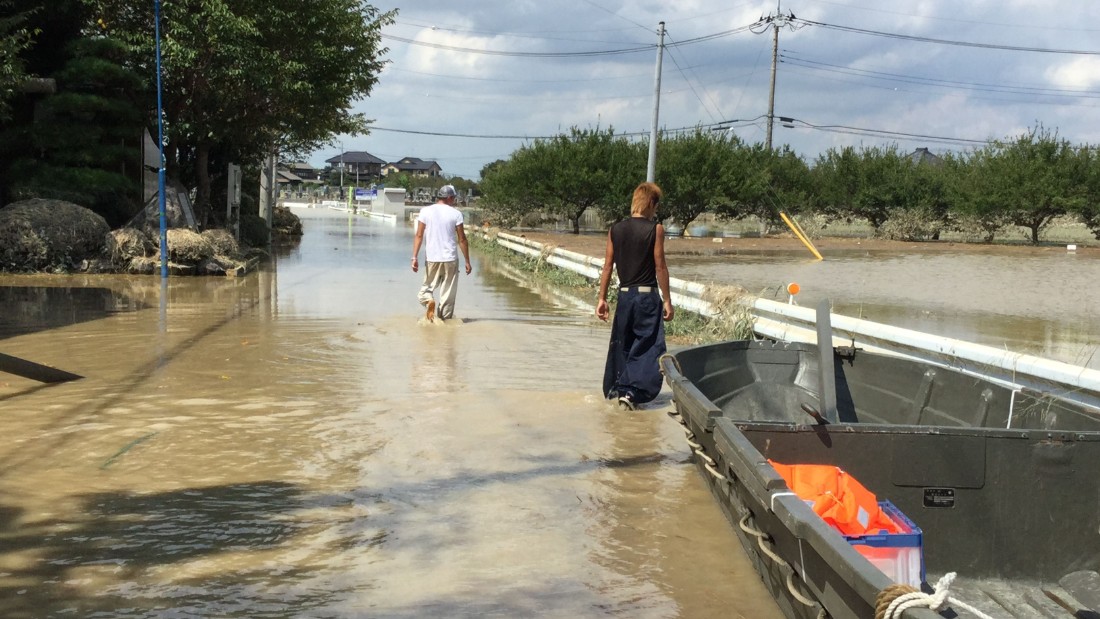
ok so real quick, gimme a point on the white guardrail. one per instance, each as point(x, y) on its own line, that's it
point(783, 321)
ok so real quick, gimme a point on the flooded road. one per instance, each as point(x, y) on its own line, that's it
point(296, 443)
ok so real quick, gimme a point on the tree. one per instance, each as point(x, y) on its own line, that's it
point(1033, 179)
point(14, 39)
point(766, 182)
point(693, 171)
point(247, 78)
point(867, 184)
point(1088, 169)
point(489, 167)
point(85, 148)
point(42, 35)
point(565, 176)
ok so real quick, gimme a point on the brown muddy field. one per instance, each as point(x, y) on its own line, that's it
point(594, 245)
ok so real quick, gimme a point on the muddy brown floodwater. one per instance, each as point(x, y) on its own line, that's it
point(1037, 300)
point(297, 443)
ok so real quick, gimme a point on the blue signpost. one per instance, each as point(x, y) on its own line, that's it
point(160, 172)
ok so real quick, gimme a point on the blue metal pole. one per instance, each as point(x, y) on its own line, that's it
point(160, 172)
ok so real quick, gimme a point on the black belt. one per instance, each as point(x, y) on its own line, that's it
point(641, 289)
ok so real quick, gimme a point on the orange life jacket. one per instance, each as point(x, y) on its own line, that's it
point(837, 497)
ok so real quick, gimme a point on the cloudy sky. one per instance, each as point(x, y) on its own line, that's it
point(470, 82)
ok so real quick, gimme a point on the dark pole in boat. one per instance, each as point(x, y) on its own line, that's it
point(827, 375)
point(34, 371)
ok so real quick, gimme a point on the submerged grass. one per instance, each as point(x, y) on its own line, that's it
point(686, 328)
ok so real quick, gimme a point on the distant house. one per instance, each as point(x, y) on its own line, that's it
point(413, 167)
point(303, 170)
point(288, 179)
point(922, 155)
point(358, 163)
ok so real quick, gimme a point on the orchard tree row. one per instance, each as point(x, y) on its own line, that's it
point(1029, 181)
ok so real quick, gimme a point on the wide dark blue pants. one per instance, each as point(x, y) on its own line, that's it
point(637, 343)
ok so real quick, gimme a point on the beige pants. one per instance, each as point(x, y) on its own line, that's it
point(442, 276)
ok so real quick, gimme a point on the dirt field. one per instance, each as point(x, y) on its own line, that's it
point(593, 245)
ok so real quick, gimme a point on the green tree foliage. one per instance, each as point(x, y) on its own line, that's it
point(1027, 181)
point(866, 184)
point(766, 182)
point(86, 146)
point(489, 167)
point(1088, 209)
point(245, 78)
point(566, 175)
point(14, 39)
point(694, 171)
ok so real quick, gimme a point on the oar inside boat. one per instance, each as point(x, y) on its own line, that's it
point(825, 366)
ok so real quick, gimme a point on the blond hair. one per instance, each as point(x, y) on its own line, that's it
point(646, 197)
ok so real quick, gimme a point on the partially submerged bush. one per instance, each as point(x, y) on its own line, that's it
point(286, 222)
point(132, 243)
point(254, 231)
point(911, 225)
point(188, 247)
point(41, 235)
point(222, 241)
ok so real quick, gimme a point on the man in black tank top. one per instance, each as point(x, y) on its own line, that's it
point(636, 250)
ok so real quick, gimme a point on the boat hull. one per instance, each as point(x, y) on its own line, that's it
point(1012, 510)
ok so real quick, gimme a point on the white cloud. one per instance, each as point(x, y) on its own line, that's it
point(1079, 73)
point(898, 85)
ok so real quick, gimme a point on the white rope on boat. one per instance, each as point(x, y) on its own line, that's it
point(934, 601)
point(702, 454)
point(713, 471)
point(760, 537)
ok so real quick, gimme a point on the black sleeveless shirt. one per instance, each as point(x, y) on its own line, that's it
point(632, 240)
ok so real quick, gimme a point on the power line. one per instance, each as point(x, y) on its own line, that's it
point(933, 81)
point(909, 37)
point(693, 91)
point(622, 17)
point(443, 134)
point(582, 54)
point(489, 52)
point(790, 123)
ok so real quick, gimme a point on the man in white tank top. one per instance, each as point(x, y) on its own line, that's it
point(439, 229)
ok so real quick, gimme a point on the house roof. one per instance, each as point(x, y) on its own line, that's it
point(300, 165)
point(355, 156)
point(286, 176)
point(922, 155)
point(413, 163)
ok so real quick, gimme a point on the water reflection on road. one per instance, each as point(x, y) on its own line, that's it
point(297, 443)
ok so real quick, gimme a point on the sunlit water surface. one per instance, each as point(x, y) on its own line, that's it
point(298, 443)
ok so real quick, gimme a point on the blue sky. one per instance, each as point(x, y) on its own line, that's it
point(485, 77)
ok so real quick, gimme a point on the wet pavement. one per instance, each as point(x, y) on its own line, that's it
point(297, 443)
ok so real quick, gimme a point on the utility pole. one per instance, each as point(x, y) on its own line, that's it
point(651, 166)
point(771, 88)
point(774, 23)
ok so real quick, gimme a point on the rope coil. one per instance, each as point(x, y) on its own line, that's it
point(894, 600)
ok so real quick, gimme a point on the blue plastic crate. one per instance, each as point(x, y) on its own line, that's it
point(898, 555)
